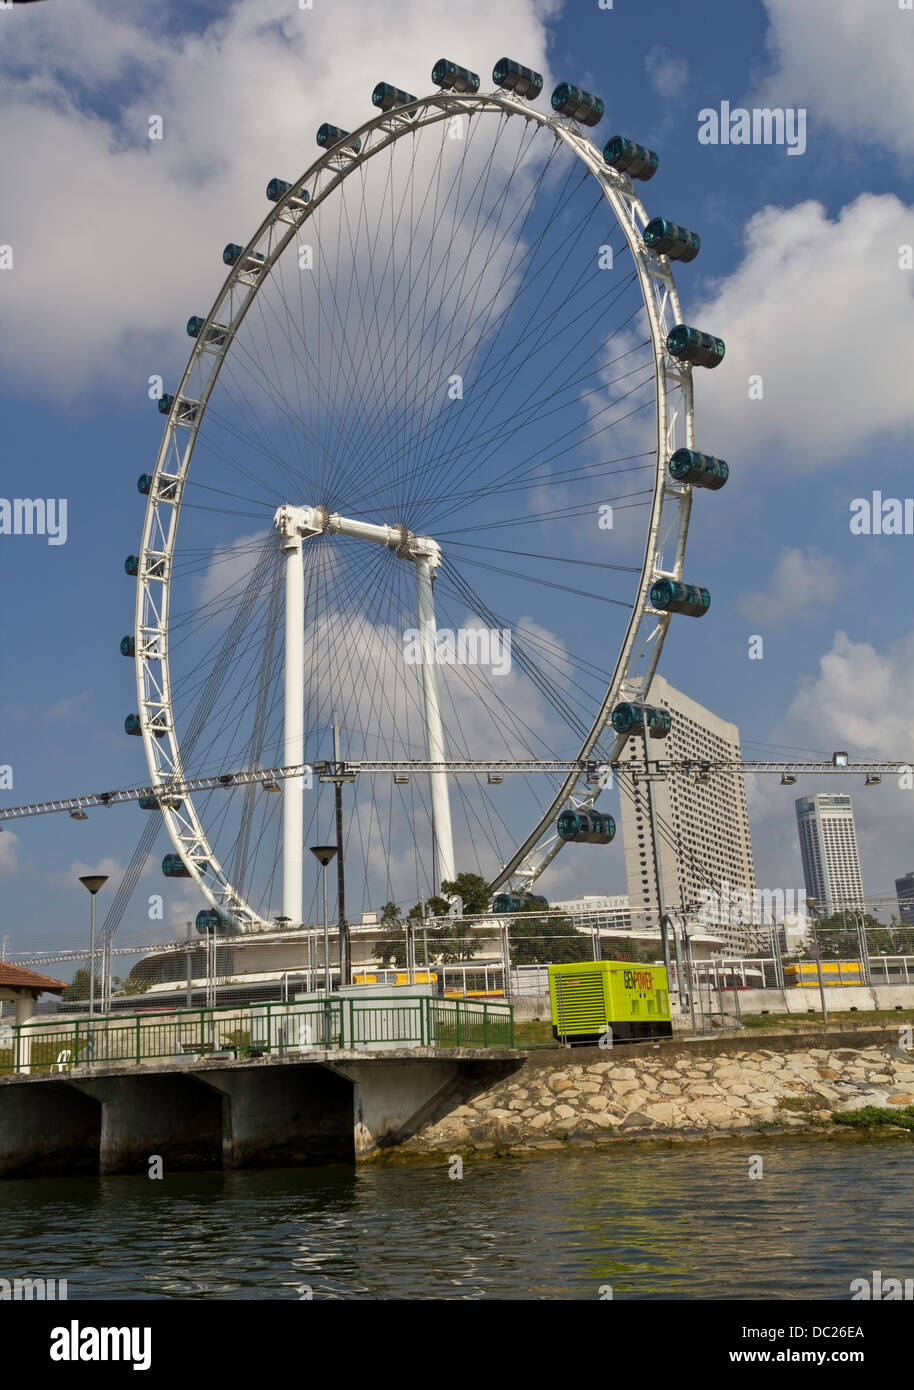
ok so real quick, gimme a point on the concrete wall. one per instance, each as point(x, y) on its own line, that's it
point(293, 1116)
point(47, 1128)
point(175, 1117)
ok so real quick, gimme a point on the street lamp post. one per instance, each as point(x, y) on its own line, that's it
point(323, 854)
point(92, 882)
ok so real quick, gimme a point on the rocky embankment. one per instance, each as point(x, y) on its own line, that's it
point(677, 1090)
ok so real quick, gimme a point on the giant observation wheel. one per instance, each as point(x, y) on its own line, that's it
point(450, 353)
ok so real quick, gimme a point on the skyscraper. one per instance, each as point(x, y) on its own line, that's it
point(904, 891)
point(703, 826)
point(828, 845)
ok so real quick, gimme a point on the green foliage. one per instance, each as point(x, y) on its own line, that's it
point(870, 1115)
point(539, 940)
point(837, 936)
point(473, 890)
point(78, 988)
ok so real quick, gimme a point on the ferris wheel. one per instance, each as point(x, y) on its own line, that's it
point(426, 478)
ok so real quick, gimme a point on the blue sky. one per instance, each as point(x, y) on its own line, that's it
point(116, 241)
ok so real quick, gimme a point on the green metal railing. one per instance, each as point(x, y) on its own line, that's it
point(254, 1030)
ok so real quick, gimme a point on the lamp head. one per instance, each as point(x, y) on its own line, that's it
point(93, 882)
point(323, 853)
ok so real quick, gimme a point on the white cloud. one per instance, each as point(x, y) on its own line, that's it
point(821, 311)
point(117, 238)
point(667, 74)
point(862, 699)
point(800, 583)
point(849, 62)
point(10, 845)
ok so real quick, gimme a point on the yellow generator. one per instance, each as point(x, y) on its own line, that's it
point(834, 972)
point(595, 997)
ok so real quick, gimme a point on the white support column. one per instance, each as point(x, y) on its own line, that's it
point(442, 834)
point(293, 788)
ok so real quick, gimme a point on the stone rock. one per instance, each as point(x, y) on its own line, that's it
point(559, 1083)
point(902, 1098)
point(668, 1089)
point(636, 1120)
point(541, 1120)
point(622, 1088)
point(828, 1073)
point(565, 1112)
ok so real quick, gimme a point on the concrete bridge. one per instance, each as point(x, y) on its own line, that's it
point(328, 1106)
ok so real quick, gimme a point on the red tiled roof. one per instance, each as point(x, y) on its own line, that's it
point(17, 977)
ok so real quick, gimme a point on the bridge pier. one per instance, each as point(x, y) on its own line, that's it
point(390, 1099)
point(286, 1117)
point(47, 1129)
point(172, 1115)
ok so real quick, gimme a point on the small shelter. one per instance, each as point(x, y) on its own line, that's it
point(24, 986)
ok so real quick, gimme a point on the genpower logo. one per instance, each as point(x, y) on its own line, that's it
point(76, 1343)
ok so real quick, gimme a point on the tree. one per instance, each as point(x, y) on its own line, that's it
point(78, 988)
point(473, 890)
point(544, 940)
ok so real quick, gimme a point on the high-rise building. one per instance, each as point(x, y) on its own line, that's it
point(904, 891)
point(703, 823)
point(828, 845)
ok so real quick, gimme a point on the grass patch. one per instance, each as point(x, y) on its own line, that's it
point(870, 1116)
point(534, 1034)
point(801, 1022)
point(801, 1104)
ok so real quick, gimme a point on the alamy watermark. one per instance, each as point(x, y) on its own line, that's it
point(32, 1287)
point(762, 125)
point(882, 516)
point(763, 907)
point(467, 646)
point(34, 516)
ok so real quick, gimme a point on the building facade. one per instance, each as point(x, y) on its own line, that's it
point(904, 891)
point(702, 820)
point(828, 847)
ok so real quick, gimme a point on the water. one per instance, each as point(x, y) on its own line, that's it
point(670, 1223)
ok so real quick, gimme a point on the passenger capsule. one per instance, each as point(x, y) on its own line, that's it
point(628, 158)
point(216, 333)
point(701, 470)
point(173, 866)
point(451, 78)
point(233, 253)
point(132, 566)
point(513, 77)
point(165, 403)
point(128, 646)
point(208, 921)
point(586, 827)
point(133, 726)
point(388, 98)
point(669, 239)
point(579, 105)
point(631, 719)
point(672, 596)
point(518, 902)
point(144, 484)
point(330, 135)
point(155, 803)
point(689, 345)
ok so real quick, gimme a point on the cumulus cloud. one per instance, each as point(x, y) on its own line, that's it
point(813, 298)
point(862, 698)
point(858, 79)
point(104, 289)
point(10, 846)
point(666, 73)
point(797, 585)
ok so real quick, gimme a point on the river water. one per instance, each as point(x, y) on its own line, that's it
point(675, 1223)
